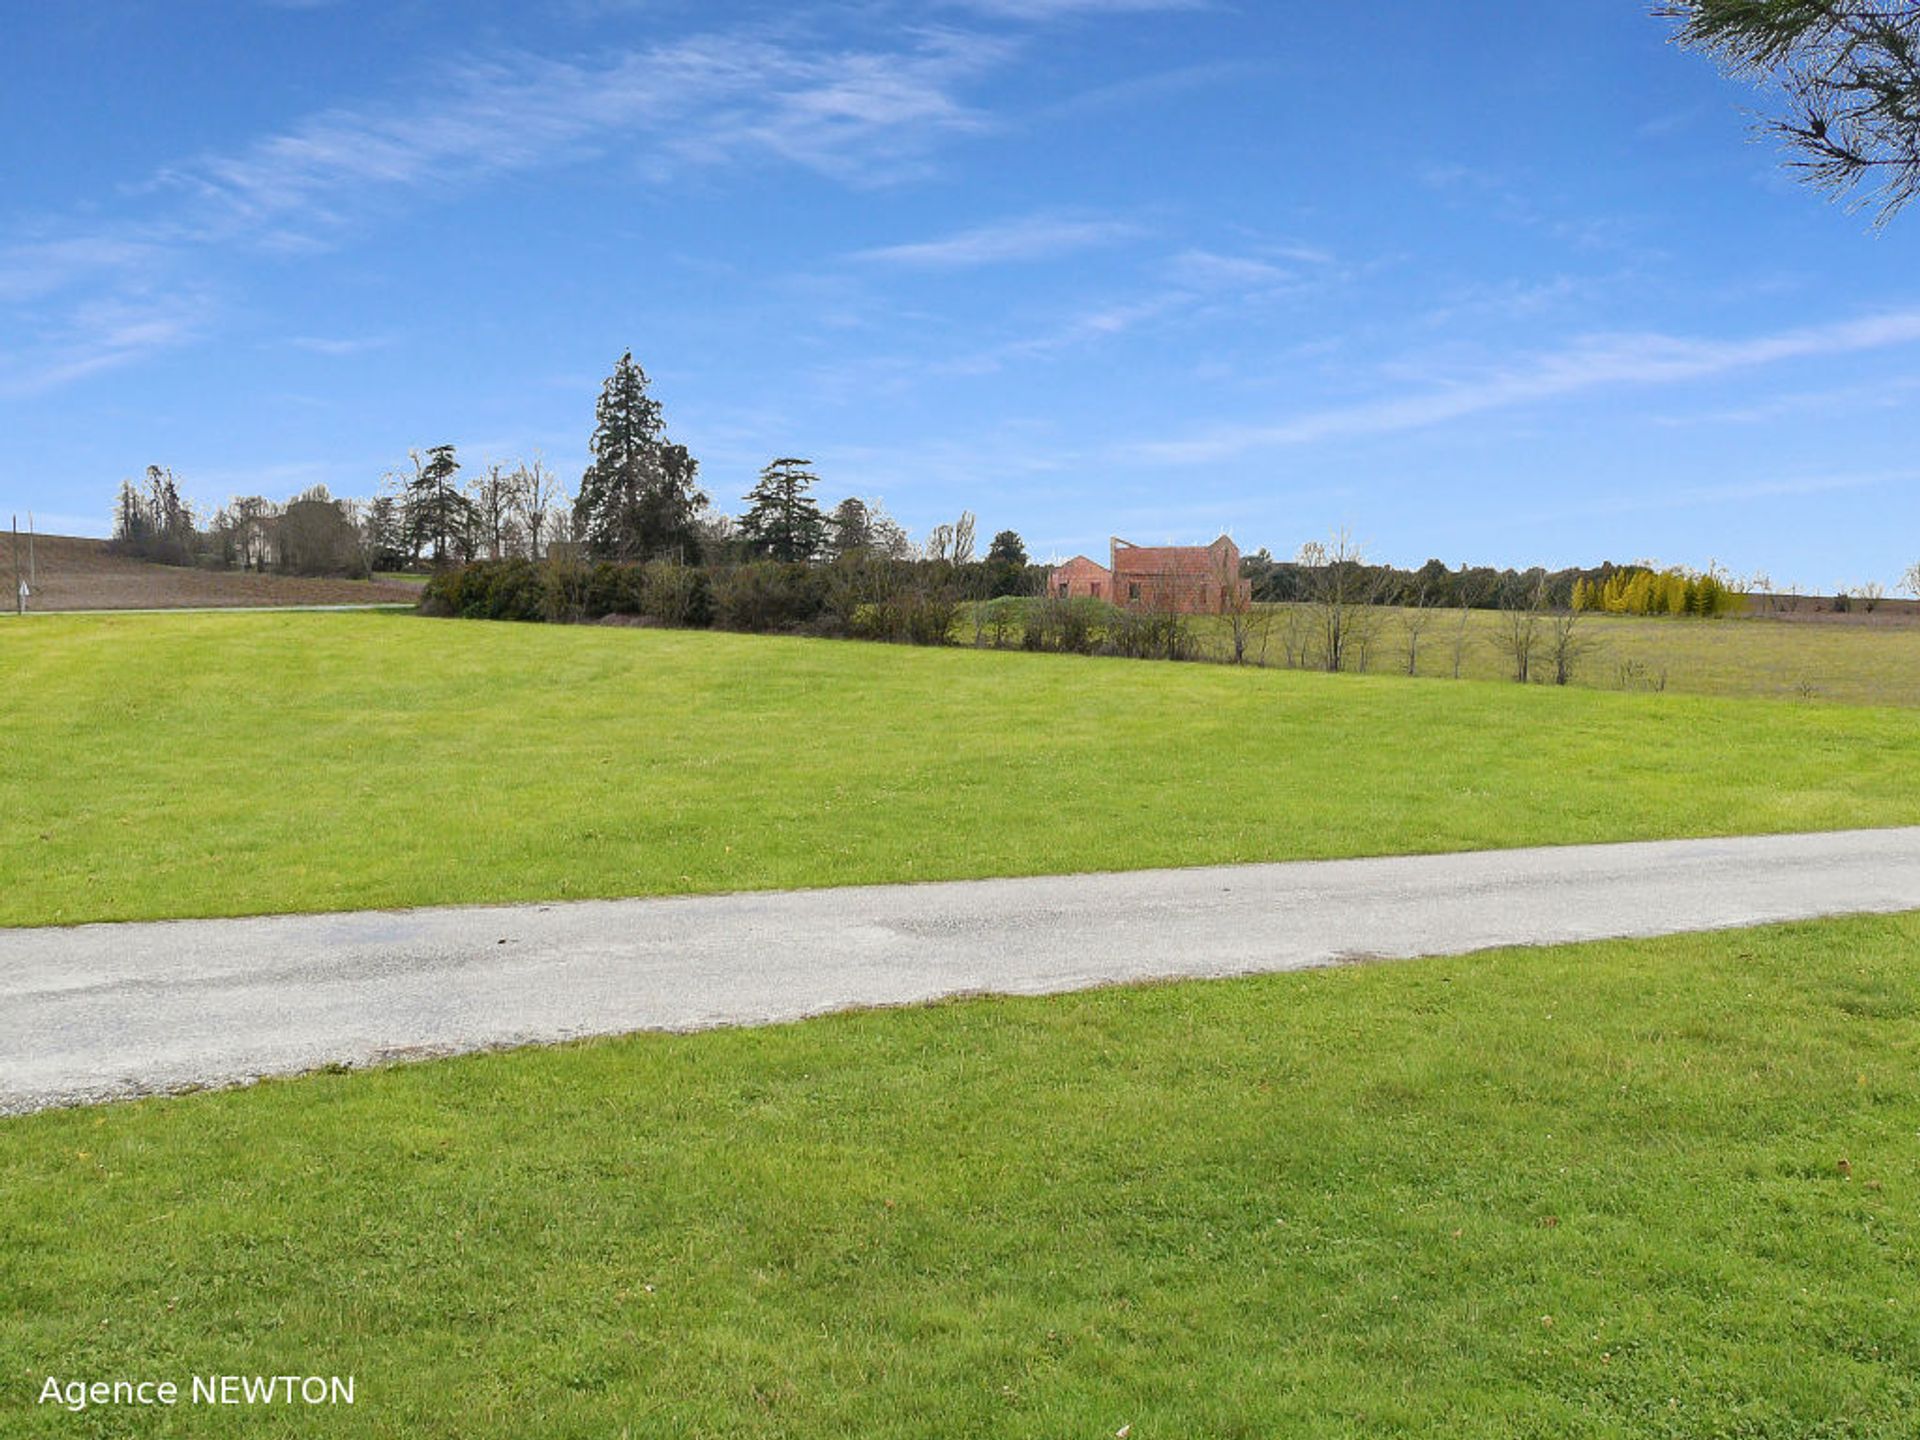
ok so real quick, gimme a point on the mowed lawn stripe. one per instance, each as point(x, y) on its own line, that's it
point(169, 766)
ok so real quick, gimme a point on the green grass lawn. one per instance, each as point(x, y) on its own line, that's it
point(1853, 663)
point(1586, 1191)
point(157, 766)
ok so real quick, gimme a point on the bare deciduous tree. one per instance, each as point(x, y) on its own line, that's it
point(251, 517)
point(535, 491)
point(1343, 595)
point(1414, 621)
point(1568, 642)
point(492, 496)
point(1248, 624)
point(1471, 593)
point(952, 543)
point(1460, 639)
point(1294, 633)
point(963, 539)
point(1518, 634)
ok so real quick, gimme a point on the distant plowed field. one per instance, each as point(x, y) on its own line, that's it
point(79, 574)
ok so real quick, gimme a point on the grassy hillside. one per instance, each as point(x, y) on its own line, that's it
point(207, 764)
point(1857, 659)
point(1596, 1191)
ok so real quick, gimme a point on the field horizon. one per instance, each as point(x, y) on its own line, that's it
point(76, 574)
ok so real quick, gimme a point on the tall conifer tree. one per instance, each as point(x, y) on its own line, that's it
point(637, 499)
point(783, 522)
point(439, 517)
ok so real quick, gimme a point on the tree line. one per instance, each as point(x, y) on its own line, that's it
point(1641, 590)
point(1629, 589)
point(423, 517)
point(310, 534)
point(640, 502)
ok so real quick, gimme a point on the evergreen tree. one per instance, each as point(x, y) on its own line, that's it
point(1006, 565)
point(637, 499)
point(438, 515)
point(1007, 549)
point(172, 516)
point(155, 524)
point(386, 535)
point(130, 525)
point(850, 528)
point(782, 521)
point(1848, 70)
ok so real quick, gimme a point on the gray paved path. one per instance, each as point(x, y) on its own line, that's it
point(101, 1011)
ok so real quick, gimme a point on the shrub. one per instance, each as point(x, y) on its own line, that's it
point(769, 596)
point(1076, 625)
point(488, 590)
point(518, 592)
point(564, 591)
point(928, 617)
point(1149, 635)
point(1002, 619)
point(863, 595)
point(676, 594)
point(614, 590)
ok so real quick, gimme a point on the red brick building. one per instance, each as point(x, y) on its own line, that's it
point(1186, 579)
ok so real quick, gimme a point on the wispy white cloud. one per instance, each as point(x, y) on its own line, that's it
point(1058, 9)
point(36, 268)
point(339, 347)
point(1512, 299)
point(101, 335)
point(1591, 364)
point(1659, 127)
point(703, 100)
point(1196, 285)
point(1887, 394)
point(862, 116)
point(1209, 270)
point(1139, 90)
point(1525, 204)
point(1034, 237)
point(1097, 323)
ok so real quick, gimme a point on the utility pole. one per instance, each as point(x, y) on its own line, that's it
point(33, 574)
point(19, 585)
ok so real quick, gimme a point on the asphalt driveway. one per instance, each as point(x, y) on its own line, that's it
point(103, 1011)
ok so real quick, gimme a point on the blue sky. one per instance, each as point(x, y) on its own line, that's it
point(1500, 283)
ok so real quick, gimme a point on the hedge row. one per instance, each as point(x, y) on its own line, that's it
point(875, 600)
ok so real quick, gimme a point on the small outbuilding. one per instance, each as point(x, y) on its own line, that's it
point(1081, 579)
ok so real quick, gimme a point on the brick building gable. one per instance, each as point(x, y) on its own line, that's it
point(1188, 579)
